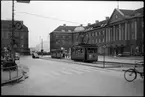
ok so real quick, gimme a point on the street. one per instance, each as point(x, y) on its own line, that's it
point(49, 77)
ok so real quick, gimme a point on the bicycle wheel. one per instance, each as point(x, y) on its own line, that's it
point(130, 75)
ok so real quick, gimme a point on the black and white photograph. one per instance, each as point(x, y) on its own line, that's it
point(72, 48)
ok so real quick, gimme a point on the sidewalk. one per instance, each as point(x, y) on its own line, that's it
point(126, 60)
point(111, 64)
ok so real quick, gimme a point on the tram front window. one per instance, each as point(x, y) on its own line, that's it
point(92, 50)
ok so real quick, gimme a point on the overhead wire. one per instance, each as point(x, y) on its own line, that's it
point(48, 17)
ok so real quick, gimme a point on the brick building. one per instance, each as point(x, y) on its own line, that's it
point(21, 35)
point(61, 37)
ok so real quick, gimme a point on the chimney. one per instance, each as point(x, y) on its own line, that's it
point(107, 18)
point(64, 24)
point(97, 21)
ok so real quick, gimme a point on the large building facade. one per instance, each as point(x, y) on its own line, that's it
point(21, 36)
point(61, 37)
point(122, 32)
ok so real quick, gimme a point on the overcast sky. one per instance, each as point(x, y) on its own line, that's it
point(56, 13)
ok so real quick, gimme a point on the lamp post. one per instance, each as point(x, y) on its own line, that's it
point(104, 57)
point(42, 47)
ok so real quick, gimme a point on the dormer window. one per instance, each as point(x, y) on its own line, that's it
point(116, 16)
point(69, 30)
point(63, 30)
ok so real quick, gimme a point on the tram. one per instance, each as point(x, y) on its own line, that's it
point(57, 53)
point(84, 52)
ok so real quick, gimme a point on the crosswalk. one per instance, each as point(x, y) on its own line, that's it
point(72, 71)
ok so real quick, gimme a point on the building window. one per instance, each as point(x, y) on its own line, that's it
point(103, 40)
point(103, 32)
point(96, 40)
point(69, 36)
point(96, 33)
point(22, 37)
point(56, 36)
point(92, 34)
point(116, 16)
point(125, 31)
point(69, 30)
point(63, 30)
point(86, 35)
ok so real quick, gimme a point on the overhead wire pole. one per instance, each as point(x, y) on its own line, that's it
point(13, 29)
point(13, 33)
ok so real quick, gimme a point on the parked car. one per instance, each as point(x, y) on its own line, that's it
point(141, 63)
point(35, 55)
point(17, 56)
point(124, 54)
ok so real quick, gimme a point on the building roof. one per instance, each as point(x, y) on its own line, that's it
point(65, 28)
point(99, 24)
point(140, 10)
point(7, 24)
point(131, 12)
point(78, 29)
point(127, 12)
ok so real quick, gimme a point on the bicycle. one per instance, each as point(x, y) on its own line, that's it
point(132, 72)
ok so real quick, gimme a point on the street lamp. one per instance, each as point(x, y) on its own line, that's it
point(104, 57)
point(41, 45)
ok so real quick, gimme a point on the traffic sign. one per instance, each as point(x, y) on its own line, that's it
point(23, 1)
point(18, 25)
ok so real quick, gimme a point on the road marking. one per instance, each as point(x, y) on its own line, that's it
point(76, 71)
point(65, 72)
point(85, 69)
point(55, 73)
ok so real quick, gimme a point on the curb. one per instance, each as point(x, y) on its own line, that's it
point(9, 81)
point(102, 61)
point(16, 78)
point(109, 68)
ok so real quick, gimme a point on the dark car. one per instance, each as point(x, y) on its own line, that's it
point(35, 55)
